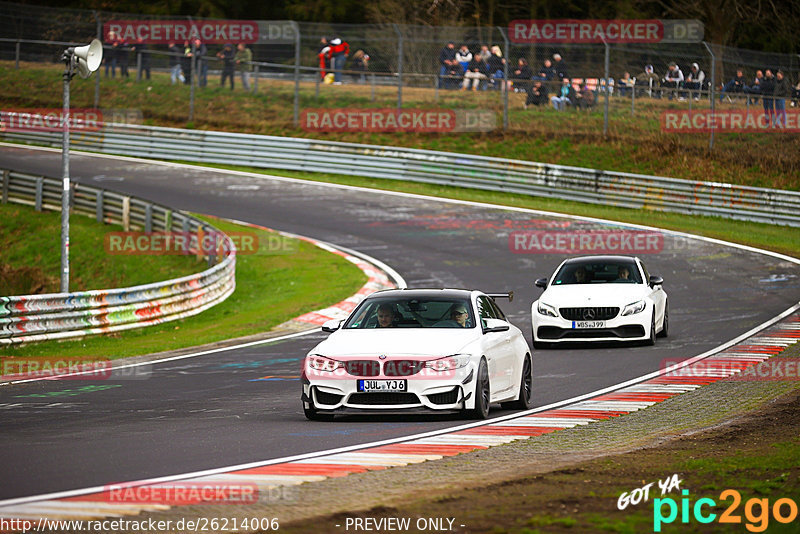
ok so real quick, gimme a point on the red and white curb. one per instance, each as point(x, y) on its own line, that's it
point(734, 360)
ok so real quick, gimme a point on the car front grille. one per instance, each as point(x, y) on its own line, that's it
point(402, 367)
point(595, 313)
point(383, 399)
point(362, 367)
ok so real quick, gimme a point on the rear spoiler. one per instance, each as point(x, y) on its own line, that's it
point(509, 295)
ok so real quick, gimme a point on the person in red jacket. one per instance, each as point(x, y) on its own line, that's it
point(338, 52)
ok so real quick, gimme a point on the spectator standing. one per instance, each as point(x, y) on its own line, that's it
point(142, 58)
point(175, 55)
point(322, 54)
point(795, 94)
point(755, 89)
point(560, 67)
point(244, 62)
point(201, 64)
point(564, 96)
point(447, 59)
point(339, 50)
point(737, 84)
point(110, 53)
point(463, 57)
point(228, 57)
point(360, 64)
point(783, 90)
point(694, 81)
point(186, 62)
point(673, 79)
point(123, 53)
point(537, 96)
point(768, 95)
point(477, 72)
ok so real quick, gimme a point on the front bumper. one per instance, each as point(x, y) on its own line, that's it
point(634, 327)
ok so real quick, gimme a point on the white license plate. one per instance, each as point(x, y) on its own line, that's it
point(382, 385)
point(588, 324)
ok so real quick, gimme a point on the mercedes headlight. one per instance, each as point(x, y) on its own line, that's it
point(546, 309)
point(634, 307)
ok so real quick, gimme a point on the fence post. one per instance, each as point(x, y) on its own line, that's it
point(297, 74)
point(504, 91)
point(193, 76)
point(16, 56)
point(255, 79)
point(399, 66)
point(6, 179)
point(38, 198)
point(713, 87)
point(608, 89)
point(633, 99)
point(138, 64)
point(372, 89)
point(148, 218)
point(97, 76)
point(99, 209)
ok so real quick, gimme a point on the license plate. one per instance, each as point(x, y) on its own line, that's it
point(382, 385)
point(588, 324)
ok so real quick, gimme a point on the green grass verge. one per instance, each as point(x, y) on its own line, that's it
point(782, 239)
point(270, 289)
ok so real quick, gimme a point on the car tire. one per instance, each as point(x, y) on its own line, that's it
point(523, 402)
point(665, 326)
point(312, 414)
point(652, 339)
point(482, 393)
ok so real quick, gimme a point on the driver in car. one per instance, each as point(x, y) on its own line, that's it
point(386, 316)
point(459, 314)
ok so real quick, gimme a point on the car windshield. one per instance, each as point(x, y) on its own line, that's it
point(412, 313)
point(598, 272)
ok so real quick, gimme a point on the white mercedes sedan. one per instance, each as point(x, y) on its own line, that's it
point(600, 298)
point(419, 349)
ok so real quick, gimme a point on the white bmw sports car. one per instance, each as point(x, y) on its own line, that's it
point(419, 349)
point(600, 298)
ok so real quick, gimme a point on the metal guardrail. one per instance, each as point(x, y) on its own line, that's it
point(594, 186)
point(61, 315)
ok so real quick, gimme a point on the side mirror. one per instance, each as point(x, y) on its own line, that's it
point(655, 281)
point(332, 325)
point(494, 325)
point(541, 282)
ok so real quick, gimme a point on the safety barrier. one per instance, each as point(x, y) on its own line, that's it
point(62, 315)
point(442, 168)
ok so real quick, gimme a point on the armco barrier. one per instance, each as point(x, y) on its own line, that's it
point(463, 170)
point(62, 315)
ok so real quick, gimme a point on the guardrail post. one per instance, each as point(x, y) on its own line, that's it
point(185, 228)
point(16, 56)
point(126, 213)
point(297, 74)
point(6, 179)
point(212, 254)
point(99, 207)
point(39, 187)
point(148, 218)
point(168, 221)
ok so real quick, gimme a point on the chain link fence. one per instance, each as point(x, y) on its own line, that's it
point(398, 66)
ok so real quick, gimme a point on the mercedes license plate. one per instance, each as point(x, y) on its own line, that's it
point(366, 386)
point(588, 324)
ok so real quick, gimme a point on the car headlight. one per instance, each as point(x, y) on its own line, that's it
point(321, 363)
point(634, 307)
point(448, 363)
point(546, 309)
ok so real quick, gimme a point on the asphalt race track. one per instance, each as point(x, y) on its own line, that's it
point(217, 410)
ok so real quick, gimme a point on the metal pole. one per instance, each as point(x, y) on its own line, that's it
point(505, 78)
point(399, 66)
point(16, 56)
point(65, 178)
point(138, 64)
point(713, 84)
point(97, 78)
point(633, 99)
point(608, 90)
point(372, 89)
point(297, 74)
point(193, 76)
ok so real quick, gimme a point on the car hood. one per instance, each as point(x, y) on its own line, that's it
point(420, 342)
point(579, 295)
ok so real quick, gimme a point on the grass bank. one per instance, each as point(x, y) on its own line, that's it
point(270, 287)
point(635, 142)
